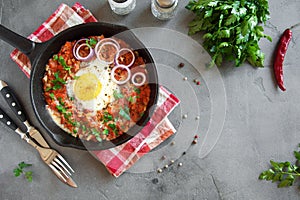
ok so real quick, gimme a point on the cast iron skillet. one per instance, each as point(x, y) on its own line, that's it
point(39, 54)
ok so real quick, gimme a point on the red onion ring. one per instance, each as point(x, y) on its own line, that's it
point(126, 50)
point(104, 40)
point(88, 57)
point(113, 74)
point(76, 49)
point(99, 49)
point(141, 74)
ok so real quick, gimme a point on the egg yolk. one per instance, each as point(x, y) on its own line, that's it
point(87, 87)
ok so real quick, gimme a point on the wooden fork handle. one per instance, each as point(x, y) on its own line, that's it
point(38, 137)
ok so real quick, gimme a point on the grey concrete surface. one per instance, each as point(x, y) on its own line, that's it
point(261, 123)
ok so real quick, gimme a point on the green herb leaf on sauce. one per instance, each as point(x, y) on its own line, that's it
point(91, 42)
point(48, 89)
point(61, 109)
point(107, 117)
point(117, 95)
point(132, 99)
point(52, 96)
point(63, 63)
point(57, 87)
point(105, 132)
point(83, 127)
point(137, 90)
point(58, 79)
point(61, 101)
point(124, 113)
point(55, 57)
point(113, 126)
point(58, 82)
point(98, 138)
point(95, 132)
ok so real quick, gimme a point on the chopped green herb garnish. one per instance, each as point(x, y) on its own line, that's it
point(67, 115)
point(57, 82)
point(83, 127)
point(105, 132)
point(99, 138)
point(77, 124)
point(48, 89)
point(52, 96)
point(107, 117)
point(58, 79)
point(131, 99)
point(57, 87)
point(20, 170)
point(55, 57)
point(61, 109)
point(124, 113)
point(60, 101)
point(141, 114)
point(63, 63)
point(91, 42)
point(137, 90)
point(113, 126)
point(118, 95)
point(95, 132)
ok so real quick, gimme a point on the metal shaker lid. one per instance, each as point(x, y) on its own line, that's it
point(165, 3)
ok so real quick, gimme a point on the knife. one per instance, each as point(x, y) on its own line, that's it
point(31, 132)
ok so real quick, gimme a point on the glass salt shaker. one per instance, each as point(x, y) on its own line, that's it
point(122, 7)
point(164, 9)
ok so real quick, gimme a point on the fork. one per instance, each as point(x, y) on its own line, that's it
point(51, 157)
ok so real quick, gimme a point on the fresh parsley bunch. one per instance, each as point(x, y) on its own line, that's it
point(231, 29)
point(284, 173)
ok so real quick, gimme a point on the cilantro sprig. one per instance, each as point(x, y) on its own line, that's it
point(91, 42)
point(284, 173)
point(231, 29)
point(57, 82)
point(62, 61)
point(20, 170)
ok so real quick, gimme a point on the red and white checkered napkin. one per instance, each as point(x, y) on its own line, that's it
point(159, 128)
point(117, 160)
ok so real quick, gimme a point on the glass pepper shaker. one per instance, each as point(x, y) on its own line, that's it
point(164, 9)
point(122, 7)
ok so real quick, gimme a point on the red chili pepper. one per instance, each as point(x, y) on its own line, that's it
point(279, 57)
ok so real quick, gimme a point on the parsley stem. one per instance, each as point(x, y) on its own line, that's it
point(290, 173)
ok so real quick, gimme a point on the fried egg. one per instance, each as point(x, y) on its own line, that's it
point(92, 89)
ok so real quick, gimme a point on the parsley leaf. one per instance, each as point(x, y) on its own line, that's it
point(284, 173)
point(231, 29)
point(124, 112)
point(20, 170)
point(63, 63)
point(117, 95)
point(91, 42)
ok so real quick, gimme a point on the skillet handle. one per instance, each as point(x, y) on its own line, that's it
point(23, 44)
